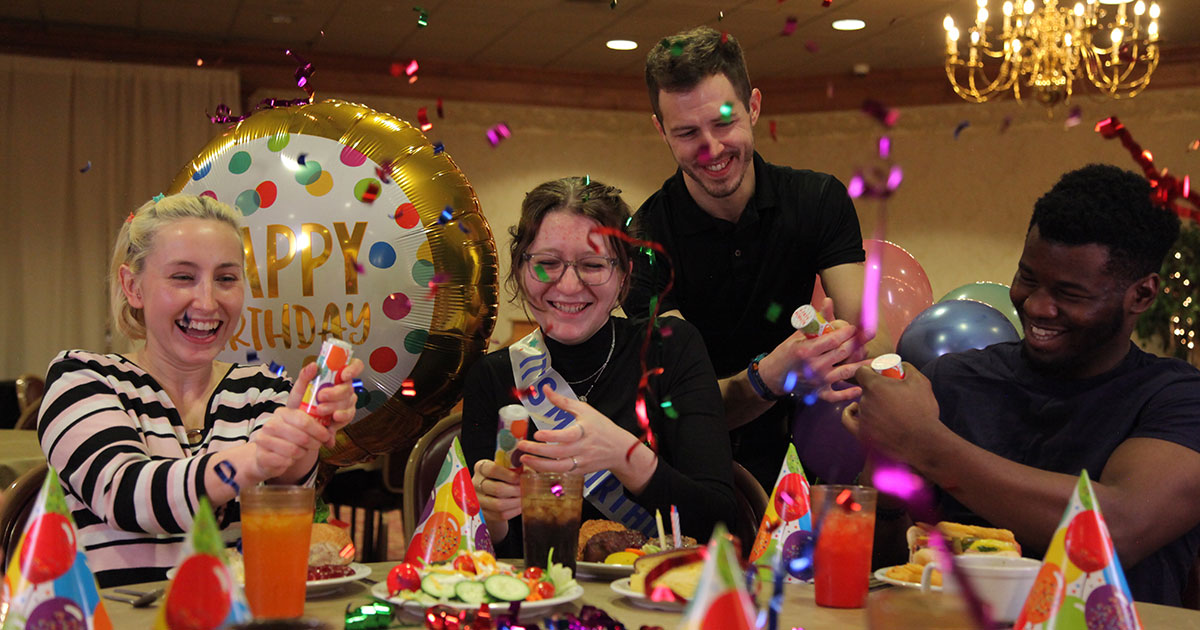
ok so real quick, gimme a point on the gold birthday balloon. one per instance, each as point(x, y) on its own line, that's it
point(356, 227)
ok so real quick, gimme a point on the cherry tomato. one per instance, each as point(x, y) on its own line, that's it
point(403, 577)
point(545, 590)
point(533, 573)
point(466, 564)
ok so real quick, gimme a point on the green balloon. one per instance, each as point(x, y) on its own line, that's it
point(993, 294)
point(1070, 615)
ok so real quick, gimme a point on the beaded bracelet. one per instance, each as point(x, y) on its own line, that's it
point(756, 381)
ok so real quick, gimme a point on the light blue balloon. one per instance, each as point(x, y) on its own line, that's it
point(953, 326)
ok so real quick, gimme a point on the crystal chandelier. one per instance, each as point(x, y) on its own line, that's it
point(1043, 49)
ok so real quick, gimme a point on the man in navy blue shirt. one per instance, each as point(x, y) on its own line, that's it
point(1005, 431)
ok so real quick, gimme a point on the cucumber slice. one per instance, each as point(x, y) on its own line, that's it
point(506, 588)
point(470, 591)
point(439, 586)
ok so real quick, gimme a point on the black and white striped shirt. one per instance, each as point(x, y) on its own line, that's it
point(131, 478)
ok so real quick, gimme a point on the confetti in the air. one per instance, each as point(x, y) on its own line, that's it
point(826, 3)
point(885, 147)
point(724, 36)
point(789, 27)
point(383, 172)
point(438, 147)
point(440, 112)
point(772, 127)
point(422, 17)
point(812, 46)
point(301, 159)
point(1005, 124)
point(497, 134)
point(251, 356)
point(1191, 147)
point(887, 116)
point(446, 215)
point(396, 69)
point(407, 388)
point(276, 369)
point(86, 167)
point(720, 17)
point(726, 111)
point(423, 119)
point(669, 409)
point(541, 274)
point(1074, 118)
point(959, 129)
point(557, 489)
point(359, 268)
point(371, 193)
point(773, 311)
point(412, 68)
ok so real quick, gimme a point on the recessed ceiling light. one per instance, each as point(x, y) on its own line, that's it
point(621, 44)
point(849, 25)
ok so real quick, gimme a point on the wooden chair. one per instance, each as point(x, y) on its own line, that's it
point(29, 417)
point(751, 507)
point(424, 462)
point(16, 502)
point(30, 388)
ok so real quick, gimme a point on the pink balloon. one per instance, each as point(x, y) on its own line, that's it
point(904, 289)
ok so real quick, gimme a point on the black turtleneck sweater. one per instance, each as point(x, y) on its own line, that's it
point(695, 470)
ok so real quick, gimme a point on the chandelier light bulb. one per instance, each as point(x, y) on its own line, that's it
point(1154, 10)
point(1117, 35)
point(1067, 39)
point(1079, 9)
point(1139, 8)
point(953, 33)
point(1008, 8)
point(1016, 45)
point(1153, 30)
point(982, 4)
point(948, 23)
point(974, 38)
point(983, 15)
point(1028, 6)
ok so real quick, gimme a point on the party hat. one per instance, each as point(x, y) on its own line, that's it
point(721, 601)
point(787, 525)
point(451, 520)
point(203, 595)
point(1081, 583)
point(48, 583)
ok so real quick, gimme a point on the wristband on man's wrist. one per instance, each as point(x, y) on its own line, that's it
point(756, 382)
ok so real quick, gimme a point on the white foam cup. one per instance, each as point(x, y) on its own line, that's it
point(1002, 582)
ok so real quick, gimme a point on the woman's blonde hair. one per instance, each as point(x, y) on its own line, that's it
point(136, 239)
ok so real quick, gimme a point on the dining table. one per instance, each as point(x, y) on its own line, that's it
point(799, 610)
point(19, 452)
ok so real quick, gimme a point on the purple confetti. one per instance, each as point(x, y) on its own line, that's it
point(895, 177)
point(498, 133)
point(557, 489)
point(276, 369)
point(1074, 118)
point(789, 27)
point(438, 147)
point(885, 147)
point(856, 186)
point(959, 129)
point(87, 167)
point(251, 356)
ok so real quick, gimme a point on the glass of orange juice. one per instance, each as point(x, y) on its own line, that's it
point(276, 528)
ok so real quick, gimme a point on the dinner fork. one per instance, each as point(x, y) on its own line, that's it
point(140, 599)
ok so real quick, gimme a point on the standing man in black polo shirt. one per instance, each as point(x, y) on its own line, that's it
point(746, 240)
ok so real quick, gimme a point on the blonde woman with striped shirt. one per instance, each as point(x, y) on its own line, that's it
point(137, 437)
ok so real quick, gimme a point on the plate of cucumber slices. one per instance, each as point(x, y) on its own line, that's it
point(499, 591)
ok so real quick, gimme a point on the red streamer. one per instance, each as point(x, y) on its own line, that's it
point(1165, 190)
point(643, 383)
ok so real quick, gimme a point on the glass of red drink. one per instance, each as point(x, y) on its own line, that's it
point(842, 557)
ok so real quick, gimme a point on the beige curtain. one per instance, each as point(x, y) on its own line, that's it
point(137, 126)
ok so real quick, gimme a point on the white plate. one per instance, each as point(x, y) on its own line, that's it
point(319, 587)
point(621, 586)
point(602, 570)
point(380, 591)
point(882, 576)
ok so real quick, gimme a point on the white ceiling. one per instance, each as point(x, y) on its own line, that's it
point(561, 35)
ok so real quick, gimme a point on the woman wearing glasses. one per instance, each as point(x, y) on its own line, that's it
point(580, 372)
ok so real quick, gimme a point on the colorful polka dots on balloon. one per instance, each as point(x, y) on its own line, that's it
point(308, 171)
point(322, 185)
point(414, 342)
point(383, 359)
point(278, 141)
point(204, 170)
point(397, 306)
point(351, 157)
point(406, 216)
point(239, 163)
point(382, 255)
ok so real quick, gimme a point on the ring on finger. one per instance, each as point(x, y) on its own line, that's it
point(574, 464)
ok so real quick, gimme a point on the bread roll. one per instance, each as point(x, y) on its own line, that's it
point(327, 544)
